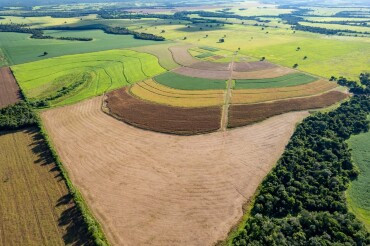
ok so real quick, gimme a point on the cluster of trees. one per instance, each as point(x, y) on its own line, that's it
point(357, 88)
point(17, 116)
point(302, 201)
point(36, 33)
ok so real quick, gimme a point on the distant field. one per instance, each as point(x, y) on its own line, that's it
point(283, 81)
point(92, 74)
point(19, 48)
point(338, 26)
point(162, 52)
point(358, 194)
point(182, 82)
point(36, 208)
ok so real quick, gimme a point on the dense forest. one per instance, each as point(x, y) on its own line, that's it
point(302, 201)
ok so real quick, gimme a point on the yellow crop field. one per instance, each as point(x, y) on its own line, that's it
point(151, 91)
point(36, 207)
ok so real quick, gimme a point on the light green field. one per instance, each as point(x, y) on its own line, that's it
point(327, 55)
point(181, 82)
point(38, 22)
point(283, 81)
point(162, 52)
point(337, 26)
point(358, 194)
point(19, 48)
point(98, 72)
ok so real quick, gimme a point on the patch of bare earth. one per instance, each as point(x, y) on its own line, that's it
point(200, 73)
point(149, 188)
point(9, 90)
point(252, 66)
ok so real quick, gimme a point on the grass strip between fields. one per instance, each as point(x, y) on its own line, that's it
point(92, 224)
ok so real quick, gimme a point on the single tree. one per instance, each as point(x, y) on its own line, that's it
point(221, 40)
point(295, 65)
point(263, 58)
point(305, 57)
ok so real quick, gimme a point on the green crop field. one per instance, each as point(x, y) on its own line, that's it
point(358, 194)
point(91, 74)
point(181, 82)
point(19, 48)
point(283, 81)
point(204, 55)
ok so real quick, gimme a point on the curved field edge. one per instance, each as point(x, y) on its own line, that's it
point(358, 194)
point(88, 74)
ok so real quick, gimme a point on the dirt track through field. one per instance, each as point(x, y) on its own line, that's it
point(9, 90)
point(148, 188)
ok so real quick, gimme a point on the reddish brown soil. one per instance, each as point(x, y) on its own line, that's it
point(9, 90)
point(162, 118)
point(241, 115)
point(252, 66)
point(201, 73)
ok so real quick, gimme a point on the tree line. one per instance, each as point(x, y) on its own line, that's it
point(113, 30)
point(302, 200)
point(17, 116)
point(36, 33)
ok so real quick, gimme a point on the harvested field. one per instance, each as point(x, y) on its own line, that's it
point(241, 115)
point(148, 188)
point(9, 90)
point(200, 73)
point(183, 82)
point(162, 118)
point(252, 66)
point(263, 95)
point(154, 92)
point(283, 81)
point(36, 207)
point(162, 52)
point(263, 74)
point(184, 58)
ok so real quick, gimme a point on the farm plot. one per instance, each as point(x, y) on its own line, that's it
point(9, 90)
point(162, 118)
point(154, 92)
point(159, 186)
point(263, 74)
point(183, 57)
point(283, 81)
point(358, 195)
point(36, 208)
point(246, 96)
point(69, 79)
point(202, 73)
point(252, 66)
point(181, 82)
point(162, 52)
point(241, 115)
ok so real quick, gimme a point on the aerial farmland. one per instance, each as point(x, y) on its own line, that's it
point(184, 123)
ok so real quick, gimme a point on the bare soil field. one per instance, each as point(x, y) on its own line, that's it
point(263, 74)
point(154, 92)
point(201, 73)
point(241, 115)
point(162, 118)
point(245, 96)
point(252, 66)
point(148, 188)
point(36, 208)
point(9, 90)
point(184, 58)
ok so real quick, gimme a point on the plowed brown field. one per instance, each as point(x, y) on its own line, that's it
point(9, 90)
point(241, 115)
point(252, 66)
point(201, 73)
point(148, 188)
point(162, 118)
point(263, 74)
